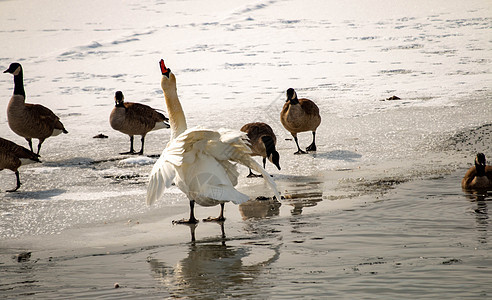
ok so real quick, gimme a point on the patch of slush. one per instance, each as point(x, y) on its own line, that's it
point(139, 160)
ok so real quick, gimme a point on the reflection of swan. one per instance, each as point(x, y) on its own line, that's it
point(199, 160)
point(478, 177)
point(210, 270)
point(259, 208)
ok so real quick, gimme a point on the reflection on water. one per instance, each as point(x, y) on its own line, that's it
point(215, 270)
point(194, 226)
point(260, 208)
point(303, 192)
point(481, 212)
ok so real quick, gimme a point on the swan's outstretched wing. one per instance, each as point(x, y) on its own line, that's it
point(224, 145)
point(162, 176)
point(233, 146)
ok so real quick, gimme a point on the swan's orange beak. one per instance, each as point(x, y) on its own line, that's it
point(164, 70)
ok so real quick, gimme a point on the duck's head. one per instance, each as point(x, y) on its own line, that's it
point(168, 79)
point(480, 160)
point(14, 69)
point(292, 96)
point(119, 99)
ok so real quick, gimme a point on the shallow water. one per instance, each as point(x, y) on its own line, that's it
point(421, 239)
point(377, 212)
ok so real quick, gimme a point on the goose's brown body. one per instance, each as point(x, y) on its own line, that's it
point(30, 120)
point(262, 143)
point(135, 119)
point(255, 132)
point(478, 177)
point(299, 115)
point(12, 157)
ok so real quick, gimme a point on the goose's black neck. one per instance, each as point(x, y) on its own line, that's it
point(269, 144)
point(19, 84)
point(480, 169)
point(294, 101)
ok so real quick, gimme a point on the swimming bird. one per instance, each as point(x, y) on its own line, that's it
point(478, 177)
point(263, 141)
point(200, 161)
point(299, 115)
point(135, 119)
point(30, 120)
point(12, 156)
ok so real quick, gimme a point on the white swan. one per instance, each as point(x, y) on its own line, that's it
point(199, 160)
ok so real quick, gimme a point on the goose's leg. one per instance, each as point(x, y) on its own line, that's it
point(192, 219)
point(18, 182)
point(39, 145)
point(143, 141)
point(299, 151)
point(253, 175)
point(312, 147)
point(220, 218)
point(29, 141)
point(131, 147)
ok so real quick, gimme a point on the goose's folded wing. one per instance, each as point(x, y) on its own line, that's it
point(161, 177)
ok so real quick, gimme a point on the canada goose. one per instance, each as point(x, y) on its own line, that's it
point(263, 141)
point(198, 160)
point(478, 177)
point(12, 156)
point(30, 121)
point(299, 115)
point(135, 119)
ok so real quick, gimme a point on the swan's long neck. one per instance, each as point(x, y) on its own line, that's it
point(177, 118)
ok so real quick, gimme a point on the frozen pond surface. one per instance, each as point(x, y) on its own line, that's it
point(376, 211)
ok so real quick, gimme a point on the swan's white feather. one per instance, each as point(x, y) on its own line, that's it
point(198, 160)
point(161, 177)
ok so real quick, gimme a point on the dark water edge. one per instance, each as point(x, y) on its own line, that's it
point(422, 239)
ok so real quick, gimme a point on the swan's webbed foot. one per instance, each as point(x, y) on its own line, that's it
point(211, 219)
point(220, 218)
point(185, 221)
